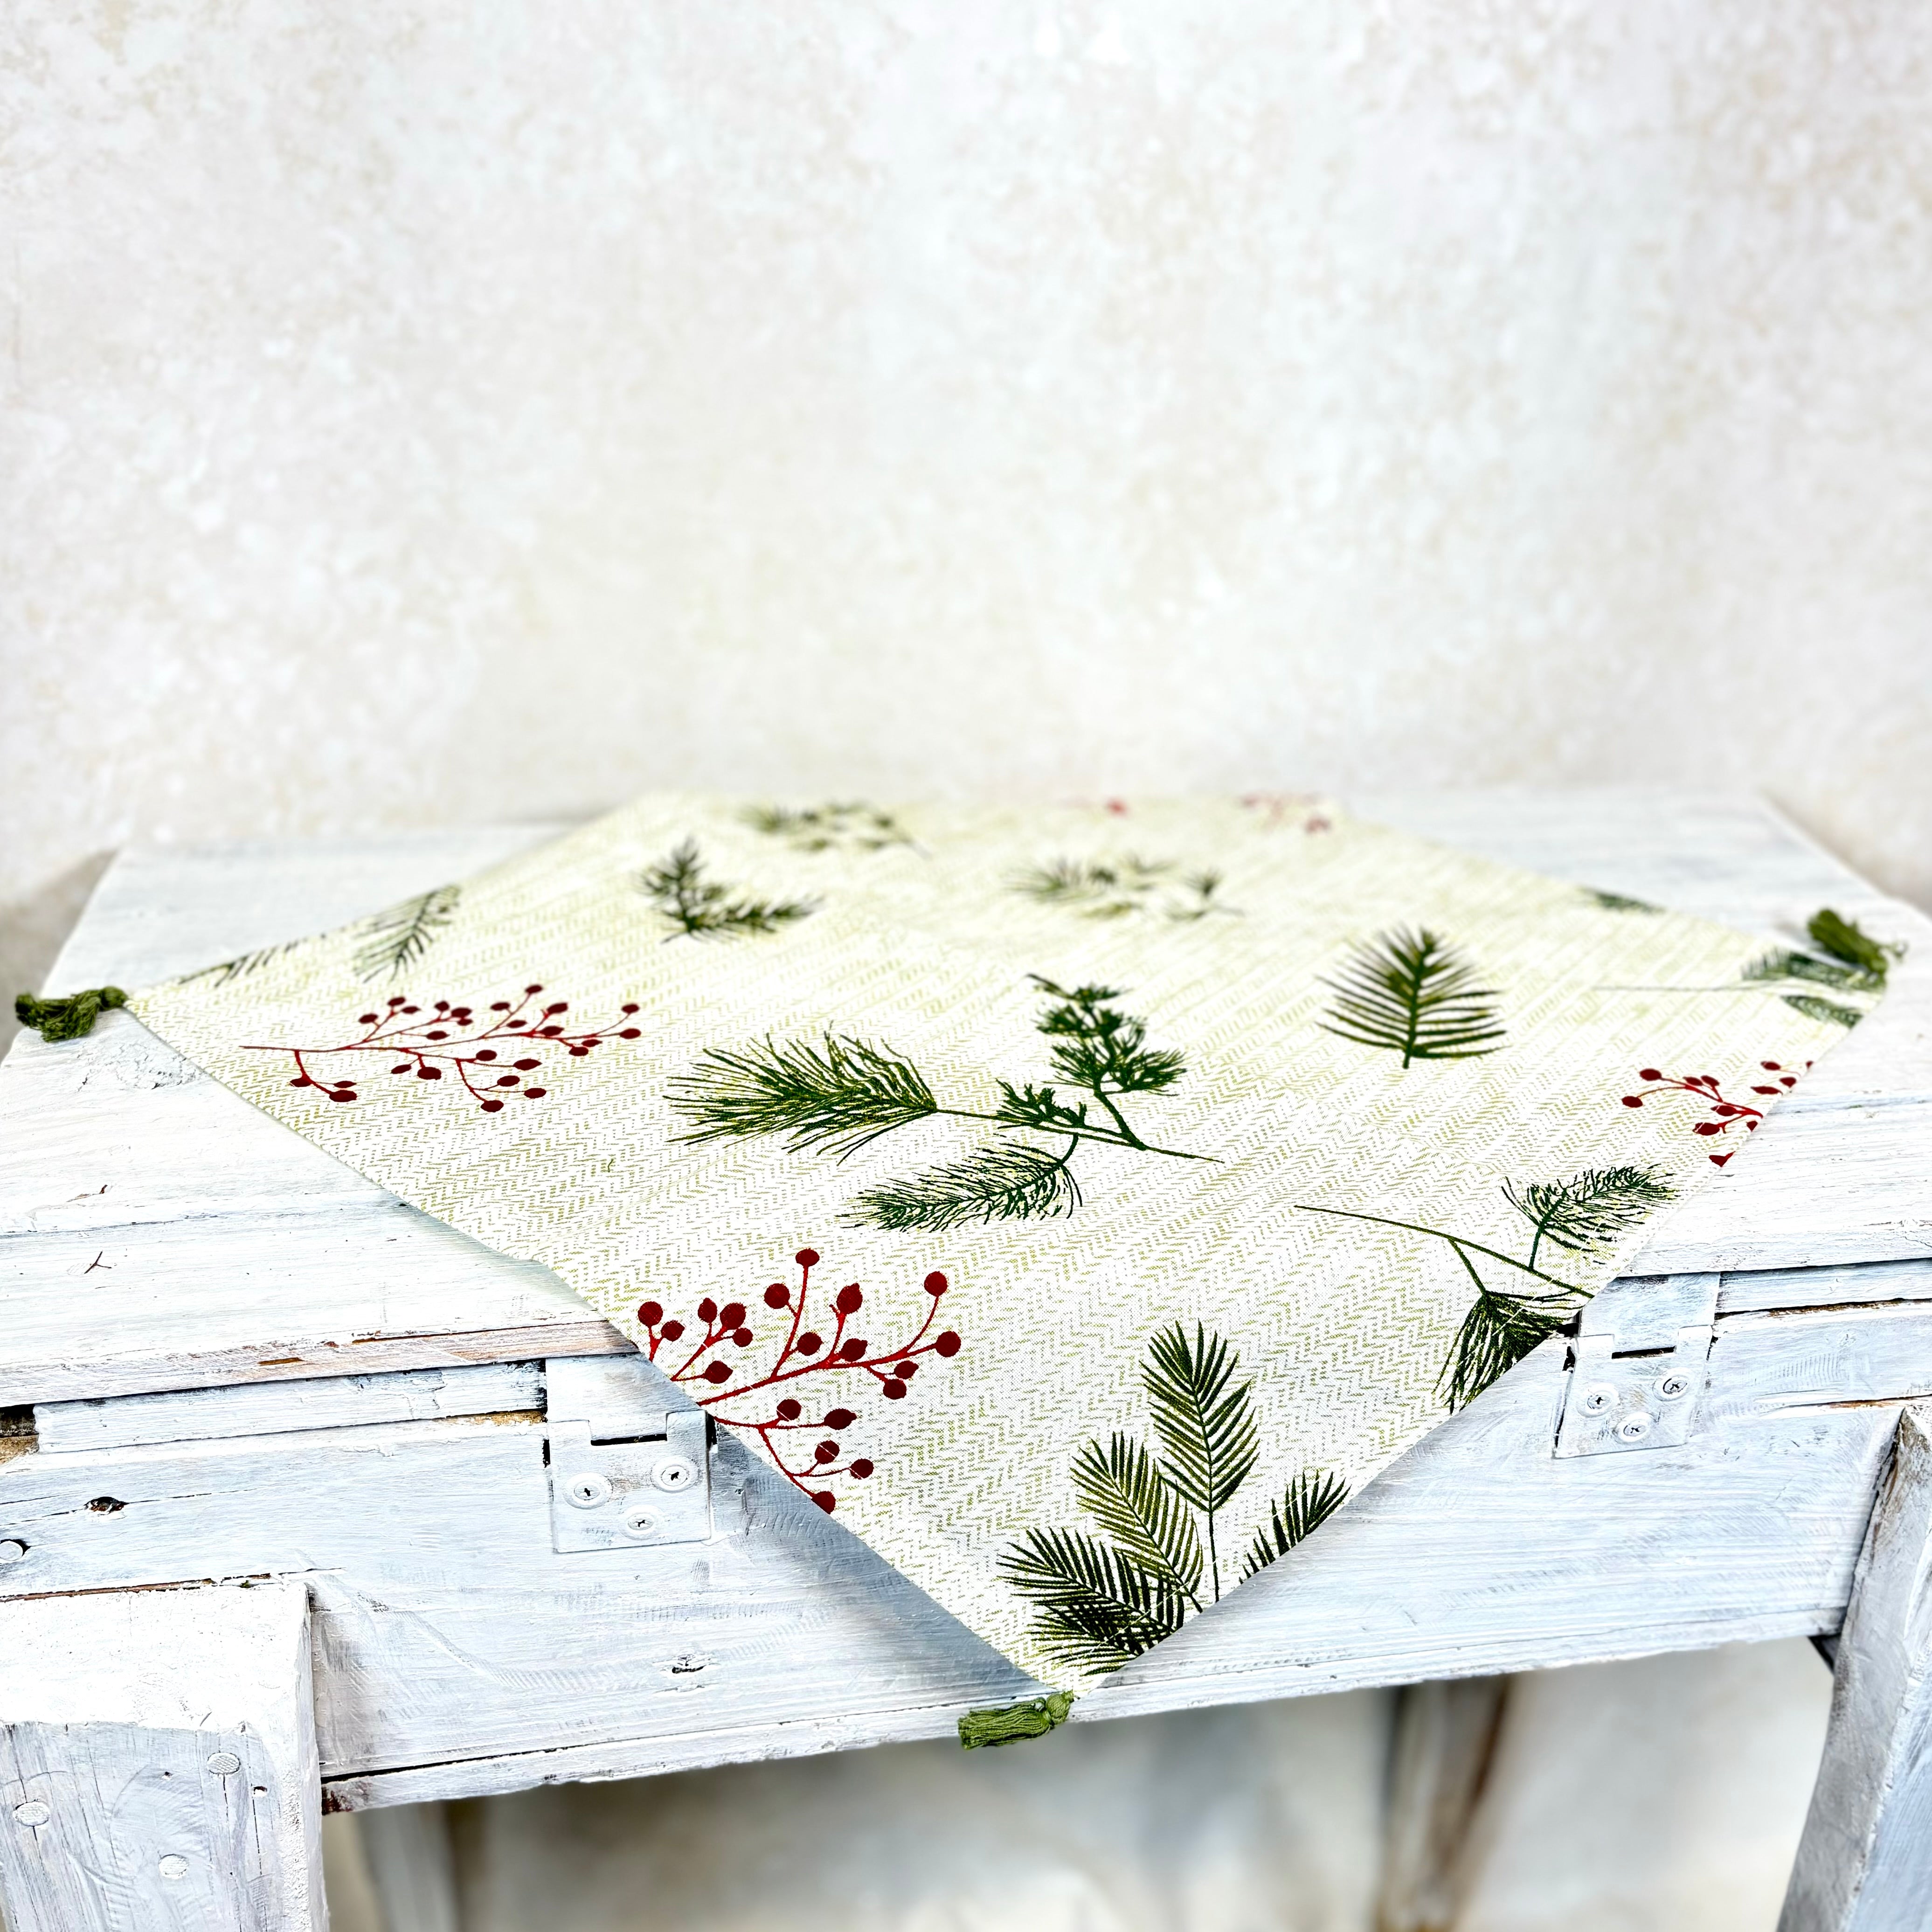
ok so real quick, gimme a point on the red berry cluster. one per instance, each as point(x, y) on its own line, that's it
point(1725, 1114)
point(452, 1039)
point(1280, 806)
point(803, 1352)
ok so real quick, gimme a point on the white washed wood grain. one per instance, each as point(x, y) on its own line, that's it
point(272, 1408)
point(449, 1632)
point(162, 1742)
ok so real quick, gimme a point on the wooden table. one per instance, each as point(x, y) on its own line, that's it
point(286, 1514)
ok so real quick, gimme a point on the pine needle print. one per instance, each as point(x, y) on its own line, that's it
point(1121, 888)
point(240, 967)
point(395, 940)
point(1099, 1603)
point(828, 1097)
point(837, 1094)
point(850, 825)
point(1409, 993)
point(696, 907)
point(1589, 1210)
point(992, 1184)
point(1582, 1215)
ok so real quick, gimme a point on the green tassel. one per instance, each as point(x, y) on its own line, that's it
point(1844, 939)
point(1033, 1718)
point(70, 1018)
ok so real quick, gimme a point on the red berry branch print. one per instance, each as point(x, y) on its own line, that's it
point(777, 1419)
point(1279, 808)
point(445, 1040)
point(1724, 1114)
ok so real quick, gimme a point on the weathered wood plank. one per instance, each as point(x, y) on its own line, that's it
point(147, 1203)
point(271, 1409)
point(214, 1300)
point(450, 1632)
point(1864, 1864)
point(157, 1763)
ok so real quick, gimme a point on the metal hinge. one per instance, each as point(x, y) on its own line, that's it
point(1639, 1366)
point(624, 1473)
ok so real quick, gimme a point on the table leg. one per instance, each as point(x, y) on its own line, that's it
point(1864, 1864)
point(158, 1762)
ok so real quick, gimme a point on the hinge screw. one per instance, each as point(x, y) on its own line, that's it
point(587, 1489)
point(673, 1473)
point(1598, 1397)
point(1634, 1427)
point(641, 1522)
point(1674, 1385)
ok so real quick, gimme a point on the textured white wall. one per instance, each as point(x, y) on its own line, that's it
point(460, 408)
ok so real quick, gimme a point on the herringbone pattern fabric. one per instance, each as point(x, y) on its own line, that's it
point(923, 942)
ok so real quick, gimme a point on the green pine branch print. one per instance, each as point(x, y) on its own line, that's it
point(395, 940)
point(696, 907)
point(1581, 1215)
point(1617, 901)
point(849, 825)
point(1848, 959)
point(1409, 992)
point(1100, 1601)
point(1119, 888)
point(836, 1095)
point(239, 968)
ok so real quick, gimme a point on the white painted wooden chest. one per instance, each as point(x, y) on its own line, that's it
point(291, 1503)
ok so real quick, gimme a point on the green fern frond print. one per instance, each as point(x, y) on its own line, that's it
point(1099, 1603)
point(1587, 1211)
point(1122, 1489)
point(696, 907)
point(835, 1095)
point(1410, 993)
point(1205, 1422)
point(395, 940)
point(1096, 1608)
point(1306, 1504)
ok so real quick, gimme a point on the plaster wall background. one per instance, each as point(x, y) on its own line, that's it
point(452, 410)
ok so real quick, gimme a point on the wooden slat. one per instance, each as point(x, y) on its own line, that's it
point(459, 1652)
point(157, 1232)
point(274, 1408)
